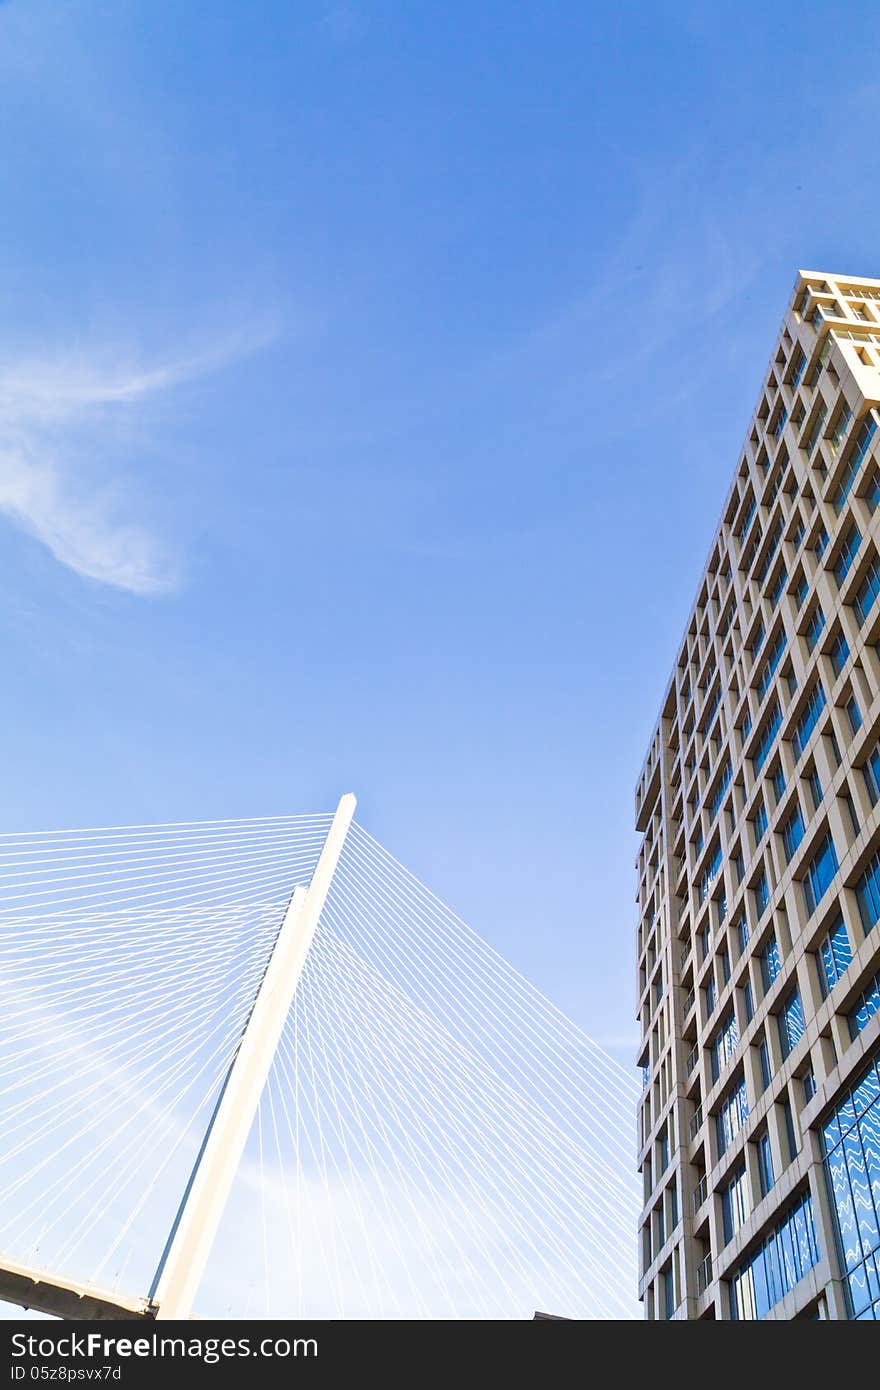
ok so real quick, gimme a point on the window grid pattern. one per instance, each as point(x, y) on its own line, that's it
point(851, 1149)
point(777, 1267)
point(735, 759)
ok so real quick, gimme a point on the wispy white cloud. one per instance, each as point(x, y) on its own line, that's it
point(67, 429)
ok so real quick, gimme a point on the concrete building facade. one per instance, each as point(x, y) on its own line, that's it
point(759, 868)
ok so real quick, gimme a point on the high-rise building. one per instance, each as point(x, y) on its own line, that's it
point(759, 870)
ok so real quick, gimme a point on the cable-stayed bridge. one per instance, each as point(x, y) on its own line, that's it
point(255, 1068)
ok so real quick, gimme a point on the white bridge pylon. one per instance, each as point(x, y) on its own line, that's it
point(183, 1263)
point(417, 1130)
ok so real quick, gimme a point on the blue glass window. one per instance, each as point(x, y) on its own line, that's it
point(770, 962)
point(790, 1134)
point(807, 719)
point(847, 553)
point(820, 872)
point(748, 1001)
point(764, 1059)
point(839, 427)
point(863, 599)
point(751, 550)
point(865, 1007)
point(734, 1203)
point(833, 956)
point(814, 627)
point(711, 996)
point(792, 833)
point(775, 590)
point(762, 893)
point(747, 520)
point(710, 873)
point(851, 1153)
point(742, 934)
point(765, 1164)
point(731, 1117)
point(791, 1022)
point(717, 796)
point(868, 893)
point(777, 781)
point(668, 1294)
point(725, 1044)
point(853, 714)
point(857, 452)
point(838, 652)
point(773, 539)
point(771, 661)
point(871, 774)
point(768, 733)
point(815, 430)
point(711, 708)
point(759, 822)
point(815, 788)
point(777, 1266)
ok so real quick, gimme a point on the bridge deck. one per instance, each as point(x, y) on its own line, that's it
point(45, 1293)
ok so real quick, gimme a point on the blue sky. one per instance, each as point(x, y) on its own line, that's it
point(371, 377)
